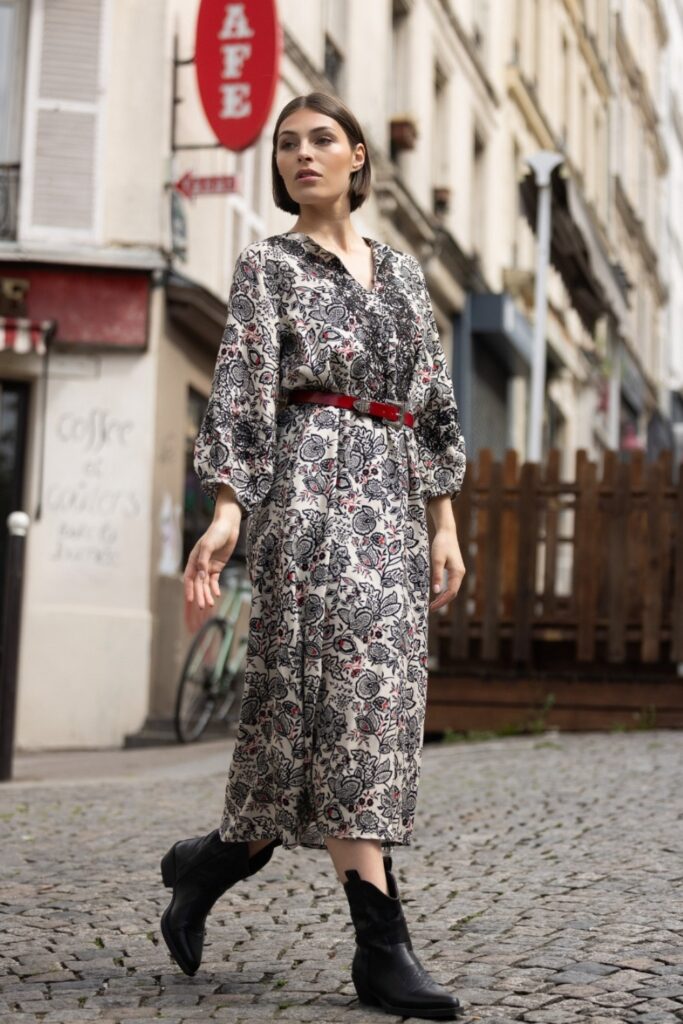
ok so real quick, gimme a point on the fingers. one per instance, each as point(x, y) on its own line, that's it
point(455, 572)
point(199, 584)
point(189, 574)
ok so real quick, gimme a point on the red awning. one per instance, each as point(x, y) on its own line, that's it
point(21, 335)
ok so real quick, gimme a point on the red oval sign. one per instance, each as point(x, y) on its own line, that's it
point(237, 57)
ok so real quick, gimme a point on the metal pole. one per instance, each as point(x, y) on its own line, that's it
point(17, 525)
point(542, 164)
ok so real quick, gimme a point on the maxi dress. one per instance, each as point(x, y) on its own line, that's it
point(330, 735)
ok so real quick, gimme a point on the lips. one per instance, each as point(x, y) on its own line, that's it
point(307, 174)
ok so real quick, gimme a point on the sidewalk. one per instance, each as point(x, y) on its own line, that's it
point(95, 766)
point(543, 885)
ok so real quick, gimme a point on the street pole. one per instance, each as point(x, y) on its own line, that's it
point(17, 525)
point(542, 164)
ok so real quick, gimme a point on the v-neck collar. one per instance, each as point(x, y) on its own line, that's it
point(375, 247)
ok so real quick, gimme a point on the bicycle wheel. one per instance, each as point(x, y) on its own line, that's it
point(228, 694)
point(197, 689)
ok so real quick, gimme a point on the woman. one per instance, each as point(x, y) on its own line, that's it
point(328, 750)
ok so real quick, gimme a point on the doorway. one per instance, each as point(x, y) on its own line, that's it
point(14, 396)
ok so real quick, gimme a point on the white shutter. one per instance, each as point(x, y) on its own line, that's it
point(63, 115)
point(13, 21)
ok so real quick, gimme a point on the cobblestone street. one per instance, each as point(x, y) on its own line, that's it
point(544, 884)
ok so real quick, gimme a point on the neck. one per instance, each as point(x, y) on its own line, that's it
point(338, 234)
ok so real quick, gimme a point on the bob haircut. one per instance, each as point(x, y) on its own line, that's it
point(359, 181)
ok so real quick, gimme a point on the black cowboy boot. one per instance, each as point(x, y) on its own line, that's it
point(199, 871)
point(386, 971)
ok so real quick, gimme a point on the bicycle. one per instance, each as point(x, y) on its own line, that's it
point(208, 684)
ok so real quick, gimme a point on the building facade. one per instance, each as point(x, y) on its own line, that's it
point(672, 243)
point(119, 282)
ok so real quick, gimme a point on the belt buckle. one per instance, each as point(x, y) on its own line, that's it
point(401, 416)
point(363, 405)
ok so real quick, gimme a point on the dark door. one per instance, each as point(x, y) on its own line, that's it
point(13, 420)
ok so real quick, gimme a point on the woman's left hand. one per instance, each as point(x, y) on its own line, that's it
point(446, 555)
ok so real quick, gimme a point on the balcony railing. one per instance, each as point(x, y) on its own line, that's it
point(9, 200)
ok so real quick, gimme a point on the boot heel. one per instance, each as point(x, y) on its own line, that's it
point(168, 868)
point(366, 996)
point(363, 989)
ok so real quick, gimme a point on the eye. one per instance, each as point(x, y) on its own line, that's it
point(325, 138)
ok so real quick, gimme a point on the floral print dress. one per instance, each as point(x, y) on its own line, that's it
point(331, 724)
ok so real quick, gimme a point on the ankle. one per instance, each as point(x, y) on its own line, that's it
point(376, 880)
point(256, 845)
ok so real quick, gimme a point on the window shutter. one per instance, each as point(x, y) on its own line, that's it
point(59, 172)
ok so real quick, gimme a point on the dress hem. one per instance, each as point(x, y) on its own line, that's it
point(289, 845)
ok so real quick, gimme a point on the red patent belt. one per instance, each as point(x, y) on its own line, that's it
point(394, 414)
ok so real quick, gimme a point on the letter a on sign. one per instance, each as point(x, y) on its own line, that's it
point(237, 57)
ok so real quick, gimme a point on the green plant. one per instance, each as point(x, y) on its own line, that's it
point(646, 718)
point(539, 723)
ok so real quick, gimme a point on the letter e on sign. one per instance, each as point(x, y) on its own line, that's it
point(237, 56)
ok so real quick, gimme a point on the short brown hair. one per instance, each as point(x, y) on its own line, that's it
point(359, 181)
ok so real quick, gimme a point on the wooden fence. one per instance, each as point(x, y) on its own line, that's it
point(573, 599)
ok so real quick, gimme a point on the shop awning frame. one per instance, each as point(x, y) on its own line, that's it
point(22, 335)
point(595, 284)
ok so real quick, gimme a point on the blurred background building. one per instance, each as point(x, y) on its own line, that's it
point(113, 284)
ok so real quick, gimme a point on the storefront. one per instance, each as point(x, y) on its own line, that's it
point(77, 409)
point(493, 351)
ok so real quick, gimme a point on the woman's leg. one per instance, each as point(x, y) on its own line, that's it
point(258, 844)
point(365, 855)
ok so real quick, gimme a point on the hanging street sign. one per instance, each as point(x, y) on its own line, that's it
point(206, 185)
point(237, 58)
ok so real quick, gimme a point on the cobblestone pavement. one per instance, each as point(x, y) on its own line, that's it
point(543, 885)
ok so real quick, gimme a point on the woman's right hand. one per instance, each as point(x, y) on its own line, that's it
point(206, 561)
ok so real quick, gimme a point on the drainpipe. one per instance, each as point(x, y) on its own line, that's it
point(542, 164)
point(462, 362)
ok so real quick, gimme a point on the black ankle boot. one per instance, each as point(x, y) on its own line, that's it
point(386, 971)
point(199, 871)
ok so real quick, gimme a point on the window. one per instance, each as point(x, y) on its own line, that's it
point(399, 98)
point(597, 160)
point(583, 129)
point(480, 29)
point(478, 207)
point(516, 204)
point(334, 63)
point(536, 49)
point(336, 12)
point(440, 133)
point(564, 79)
point(517, 36)
point(13, 22)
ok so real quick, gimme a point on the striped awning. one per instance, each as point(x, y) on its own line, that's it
point(21, 335)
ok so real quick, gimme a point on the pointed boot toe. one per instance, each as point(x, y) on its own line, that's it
point(386, 970)
point(199, 871)
point(185, 943)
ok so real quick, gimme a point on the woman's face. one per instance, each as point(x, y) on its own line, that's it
point(317, 144)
